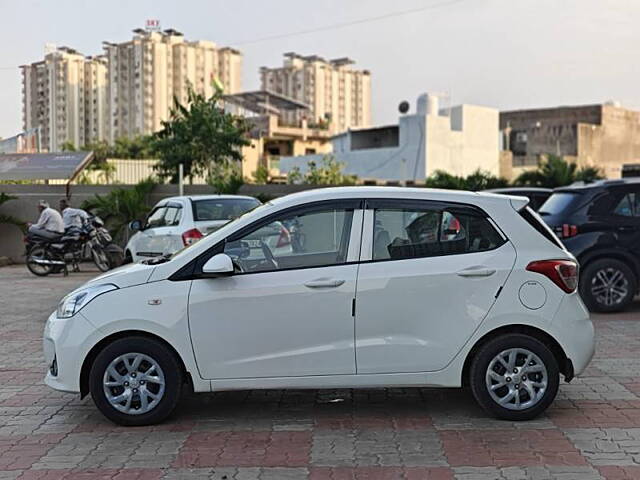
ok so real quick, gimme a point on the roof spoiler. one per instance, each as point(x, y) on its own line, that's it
point(518, 203)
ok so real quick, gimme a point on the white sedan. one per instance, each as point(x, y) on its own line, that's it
point(176, 222)
point(377, 287)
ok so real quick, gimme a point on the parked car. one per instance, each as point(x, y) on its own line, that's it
point(536, 195)
point(180, 221)
point(600, 224)
point(391, 287)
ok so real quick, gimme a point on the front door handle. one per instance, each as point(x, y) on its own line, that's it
point(324, 283)
point(476, 272)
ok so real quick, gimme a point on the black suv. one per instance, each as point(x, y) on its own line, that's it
point(600, 224)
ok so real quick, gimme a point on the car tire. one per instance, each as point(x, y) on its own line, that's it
point(124, 393)
point(494, 387)
point(592, 282)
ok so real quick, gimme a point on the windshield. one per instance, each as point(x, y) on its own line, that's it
point(222, 208)
point(558, 203)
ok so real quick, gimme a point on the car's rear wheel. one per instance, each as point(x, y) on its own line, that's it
point(607, 285)
point(136, 381)
point(514, 377)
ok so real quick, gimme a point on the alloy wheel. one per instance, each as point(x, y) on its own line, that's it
point(134, 383)
point(516, 379)
point(609, 286)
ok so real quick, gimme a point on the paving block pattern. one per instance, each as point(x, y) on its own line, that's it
point(591, 432)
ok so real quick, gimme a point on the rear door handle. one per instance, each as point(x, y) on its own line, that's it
point(476, 272)
point(324, 283)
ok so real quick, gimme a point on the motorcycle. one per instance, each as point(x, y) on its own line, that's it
point(90, 242)
point(45, 255)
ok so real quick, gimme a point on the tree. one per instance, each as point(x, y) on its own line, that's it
point(556, 172)
point(10, 219)
point(226, 178)
point(442, 179)
point(328, 173)
point(478, 180)
point(261, 175)
point(122, 205)
point(68, 146)
point(141, 146)
point(199, 135)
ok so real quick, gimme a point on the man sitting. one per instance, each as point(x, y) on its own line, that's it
point(72, 217)
point(49, 225)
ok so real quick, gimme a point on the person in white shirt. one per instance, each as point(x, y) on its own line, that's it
point(72, 217)
point(50, 224)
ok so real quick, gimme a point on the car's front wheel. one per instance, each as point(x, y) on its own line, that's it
point(514, 377)
point(136, 381)
point(607, 285)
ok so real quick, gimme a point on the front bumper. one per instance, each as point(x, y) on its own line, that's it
point(65, 341)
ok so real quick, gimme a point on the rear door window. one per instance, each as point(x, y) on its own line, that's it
point(429, 231)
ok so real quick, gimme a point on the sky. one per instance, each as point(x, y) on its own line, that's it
point(506, 54)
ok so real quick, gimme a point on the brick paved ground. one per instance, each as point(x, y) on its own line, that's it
point(591, 432)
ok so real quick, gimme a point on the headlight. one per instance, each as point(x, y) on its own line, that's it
point(73, 303)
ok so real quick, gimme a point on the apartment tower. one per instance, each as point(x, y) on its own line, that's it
point(66, 96)
point(149, 71)
point(128, 91)
point(338, 96)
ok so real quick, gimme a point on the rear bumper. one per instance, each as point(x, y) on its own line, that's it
point(573, 329)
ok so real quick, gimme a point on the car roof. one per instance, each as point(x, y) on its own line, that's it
point(337, 193)
point(520, 189)
point(208, 197)
point(598, 184)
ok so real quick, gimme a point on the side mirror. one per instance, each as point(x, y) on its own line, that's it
point(135, 225)
point(218, 265)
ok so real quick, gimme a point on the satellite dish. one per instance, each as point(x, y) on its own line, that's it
point(403, 107)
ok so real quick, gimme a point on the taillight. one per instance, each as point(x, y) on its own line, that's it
point(191, 236)
point(566, 230)
point(284, 238)
point(564, 273)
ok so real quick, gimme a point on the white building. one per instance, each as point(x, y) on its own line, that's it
point(147, 72)
point(65, 96)
point(339, 96)
point(458, 140)
point(126, 92)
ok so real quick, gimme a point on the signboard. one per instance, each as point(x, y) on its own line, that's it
point(152, 25)
point(43, 166)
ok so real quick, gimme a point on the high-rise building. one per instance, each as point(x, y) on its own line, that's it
point(338, 96)
point(128, 91)
point(65, 96)
point(149, 71)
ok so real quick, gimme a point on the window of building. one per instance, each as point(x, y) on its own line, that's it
point(401, 233)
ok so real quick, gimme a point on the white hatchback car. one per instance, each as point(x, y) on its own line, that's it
point(176, 222)
point(380, 287)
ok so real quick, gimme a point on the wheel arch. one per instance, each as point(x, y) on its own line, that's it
point(98, 347)
point(564, 364)
point(600, 254)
